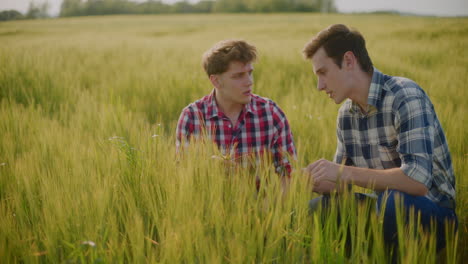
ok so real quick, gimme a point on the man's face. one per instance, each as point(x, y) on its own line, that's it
point(235, 85)
point(330, 78)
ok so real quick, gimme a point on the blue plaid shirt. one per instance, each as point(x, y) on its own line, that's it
point(399, 129)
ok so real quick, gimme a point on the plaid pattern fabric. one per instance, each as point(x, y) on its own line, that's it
point(261, 126)
point(400, 129)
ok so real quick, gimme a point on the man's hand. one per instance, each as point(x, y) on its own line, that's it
point(228, 163)
point(324, 170)
point(324, 187)
point(324, 175)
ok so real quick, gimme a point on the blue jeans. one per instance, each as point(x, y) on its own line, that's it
point(427, 208)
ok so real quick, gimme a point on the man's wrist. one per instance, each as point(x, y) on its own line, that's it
point(347, 175)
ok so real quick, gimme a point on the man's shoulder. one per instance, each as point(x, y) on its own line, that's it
point(264, 102)
point(403, 88)
point(198, 105)
point(260, 100)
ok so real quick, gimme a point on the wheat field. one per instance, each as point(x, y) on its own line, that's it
point(88, 170)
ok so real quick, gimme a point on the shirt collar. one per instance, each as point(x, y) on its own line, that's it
point(213, 110)
point(251, 107)
point(374, 95)
point(375, 89)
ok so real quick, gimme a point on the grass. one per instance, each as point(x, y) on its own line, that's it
point(88, 108)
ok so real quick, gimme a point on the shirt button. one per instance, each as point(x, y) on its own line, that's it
point(229, 125)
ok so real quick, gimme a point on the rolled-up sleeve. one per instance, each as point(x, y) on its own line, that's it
point(340, 153)
point(185, 127)
point(283, 145)
point(414, 122)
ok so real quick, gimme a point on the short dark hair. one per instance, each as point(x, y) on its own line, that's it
point(217, 59)
point(337, 39)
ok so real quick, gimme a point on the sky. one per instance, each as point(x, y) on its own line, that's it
point(421, 7)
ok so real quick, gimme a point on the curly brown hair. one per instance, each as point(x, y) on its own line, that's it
point(217, 59)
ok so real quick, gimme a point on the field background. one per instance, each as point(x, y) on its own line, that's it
point(88, 108)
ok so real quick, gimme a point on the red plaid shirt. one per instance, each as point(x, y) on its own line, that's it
point(261, 126)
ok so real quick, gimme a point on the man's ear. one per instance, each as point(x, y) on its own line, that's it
point(214, 79)
point(349, 60)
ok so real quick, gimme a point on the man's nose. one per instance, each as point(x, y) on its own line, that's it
point(249, 80)
point(321, 85)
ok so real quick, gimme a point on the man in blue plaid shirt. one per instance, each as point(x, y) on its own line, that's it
point(388, 135)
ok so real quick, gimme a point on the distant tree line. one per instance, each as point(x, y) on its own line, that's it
point(110, 7)
point(10, 15)
point(34, 11)
point(107, 7)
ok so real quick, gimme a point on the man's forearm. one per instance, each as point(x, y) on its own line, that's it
point(381, 180)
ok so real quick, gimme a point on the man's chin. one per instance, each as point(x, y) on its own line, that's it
point(246, 101)
point(338, 101)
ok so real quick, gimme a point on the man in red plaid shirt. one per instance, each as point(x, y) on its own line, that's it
point(241, 123)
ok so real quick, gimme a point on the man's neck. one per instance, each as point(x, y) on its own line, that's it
point(361, 91)
point(230, 109)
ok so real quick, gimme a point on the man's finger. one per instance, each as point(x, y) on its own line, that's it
point(317, 169)
point(313, 165)
point(318, 180)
